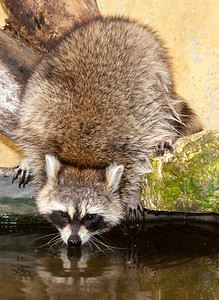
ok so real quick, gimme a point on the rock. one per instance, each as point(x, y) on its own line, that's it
point(187, 179)
point(17, 205)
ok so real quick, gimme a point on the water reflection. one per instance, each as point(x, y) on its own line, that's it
point(166, 261)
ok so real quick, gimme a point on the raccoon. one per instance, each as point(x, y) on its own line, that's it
point(91, 111)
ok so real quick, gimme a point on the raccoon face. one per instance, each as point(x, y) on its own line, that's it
point(78, 230)
point(81, 203)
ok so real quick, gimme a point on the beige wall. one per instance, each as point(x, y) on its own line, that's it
point(3, 14)
point(189, 29)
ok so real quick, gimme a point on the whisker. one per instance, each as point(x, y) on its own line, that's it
point(54, 240)
point(108, 246)
point(90, 245)
point(95, 244)
point(122, 229)
point(105, 245)
point(57, 242)
point(41, 237)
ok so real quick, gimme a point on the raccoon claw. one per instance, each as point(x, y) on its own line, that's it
point(160, 147)
point(140, 208)
point(16, 174)
point(133, 213)
point(25, 176)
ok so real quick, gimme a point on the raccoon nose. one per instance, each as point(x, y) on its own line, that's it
point(74, 241)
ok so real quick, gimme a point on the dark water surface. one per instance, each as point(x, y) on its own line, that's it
point(165, 261)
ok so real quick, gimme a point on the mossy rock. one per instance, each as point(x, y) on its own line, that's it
point(187, 179)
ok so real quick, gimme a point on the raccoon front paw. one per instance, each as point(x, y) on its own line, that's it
point(160, 147)
point(23, 172)
point(133, 213)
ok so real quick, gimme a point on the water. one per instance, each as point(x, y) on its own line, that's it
point(165, 261)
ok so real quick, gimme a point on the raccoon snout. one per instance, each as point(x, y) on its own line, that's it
point(74, 241)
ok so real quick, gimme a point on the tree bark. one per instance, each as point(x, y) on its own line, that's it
point(43, 22)
point(34, 26)
point(16, 63)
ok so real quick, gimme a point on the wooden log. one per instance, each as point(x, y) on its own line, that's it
point(16, 63)
point(37, 24)
point(43, 22)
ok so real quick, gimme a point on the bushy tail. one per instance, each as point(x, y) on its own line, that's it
point(190, 122)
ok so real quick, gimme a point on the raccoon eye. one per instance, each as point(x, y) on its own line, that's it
point(90, 216)
point(64, 215)
point(93, 222)
point(59, 218)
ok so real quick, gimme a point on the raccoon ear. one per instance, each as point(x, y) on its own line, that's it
point(53, 166)
point(113, 177)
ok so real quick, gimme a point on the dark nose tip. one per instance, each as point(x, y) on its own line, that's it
point(74, 241)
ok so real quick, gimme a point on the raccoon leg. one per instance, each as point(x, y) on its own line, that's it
point(160, 147)
point(23, 172)
point(133, 213)
point(130, 190)
point(134, 209)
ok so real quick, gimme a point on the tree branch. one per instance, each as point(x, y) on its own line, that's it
point(16, 63)
point(43, 22)
point(37, 24)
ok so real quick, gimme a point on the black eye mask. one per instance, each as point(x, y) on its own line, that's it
point(59, 218)
point(93, 222)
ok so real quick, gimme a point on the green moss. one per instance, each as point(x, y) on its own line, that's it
point(186, 180)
